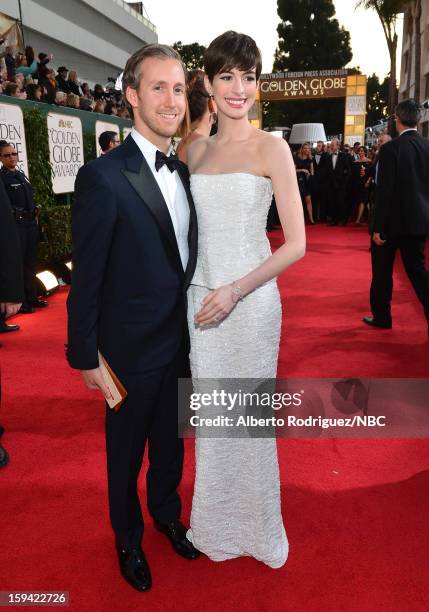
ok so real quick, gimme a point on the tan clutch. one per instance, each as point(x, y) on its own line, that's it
point(116, 388)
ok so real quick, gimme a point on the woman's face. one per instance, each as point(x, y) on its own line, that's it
point(305, 151)
point(234, 92)
point(361, 152)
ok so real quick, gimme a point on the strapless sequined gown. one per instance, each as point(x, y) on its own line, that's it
point(236, 505)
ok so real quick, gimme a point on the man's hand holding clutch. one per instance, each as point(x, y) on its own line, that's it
point(104, 379)
point(94, 380)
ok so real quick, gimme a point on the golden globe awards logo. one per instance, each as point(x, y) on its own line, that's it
point(304, 85)
point(65, 150)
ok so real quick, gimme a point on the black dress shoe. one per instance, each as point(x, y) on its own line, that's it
point(4, 329)
point(135, 568)
point(176, 533)
point(38, 303)
point(373, 323)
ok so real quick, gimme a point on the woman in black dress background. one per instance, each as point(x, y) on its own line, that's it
point(360, 187)
point(304, 171)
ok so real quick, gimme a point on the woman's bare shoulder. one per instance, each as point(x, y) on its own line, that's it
point(272, 149)
point(196, 151)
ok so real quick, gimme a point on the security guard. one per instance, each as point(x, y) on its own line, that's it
point(25, 213)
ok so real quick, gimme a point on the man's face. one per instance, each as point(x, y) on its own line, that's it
point(334, 146)
point(9, 157)
point(63, 74)
point(159, 104)
point(115, 142)
point(356, 147)
point(319, 148)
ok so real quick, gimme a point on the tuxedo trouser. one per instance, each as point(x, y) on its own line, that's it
point(29, 240)
point(412, 249)
point(148, 414)
point(337, 204)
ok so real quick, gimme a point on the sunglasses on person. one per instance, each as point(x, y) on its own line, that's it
point(8, 154)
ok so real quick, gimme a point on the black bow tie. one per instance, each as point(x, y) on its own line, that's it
point(171, 161)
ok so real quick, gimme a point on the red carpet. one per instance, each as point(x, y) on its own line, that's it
point(355, 510)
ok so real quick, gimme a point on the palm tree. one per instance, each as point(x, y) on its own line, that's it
point(387, 11)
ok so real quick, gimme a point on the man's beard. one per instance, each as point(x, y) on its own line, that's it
point(168, 132)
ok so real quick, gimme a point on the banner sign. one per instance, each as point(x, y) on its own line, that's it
point(65, 150)
point(303, 85)
point(104, 126)
point(12, 130)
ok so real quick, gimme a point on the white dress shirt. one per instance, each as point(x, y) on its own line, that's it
point(173, 191)
point(334, 159)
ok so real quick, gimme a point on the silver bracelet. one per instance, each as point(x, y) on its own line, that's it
point(237, 293)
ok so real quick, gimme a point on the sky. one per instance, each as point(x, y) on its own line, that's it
point(197, 21)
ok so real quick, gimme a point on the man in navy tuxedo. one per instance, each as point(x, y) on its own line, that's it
point(401, 215)
point(134, 254)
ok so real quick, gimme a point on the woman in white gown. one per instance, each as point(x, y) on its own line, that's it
point(234, 305)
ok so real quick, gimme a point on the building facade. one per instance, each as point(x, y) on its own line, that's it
point(414, 81)
point(93, 37)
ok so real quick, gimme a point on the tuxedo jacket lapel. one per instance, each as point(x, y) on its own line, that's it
point(143, 182)
point(193, 228)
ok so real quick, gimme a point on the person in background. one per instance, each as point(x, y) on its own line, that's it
point(73, 83)
point(355, 152)
point(110, 109)
point(320, 159)
point(358, 184)
point(401, 215)
point(72, 100)
point(11, 281)
point(48, 82)
point(44, 60)
point(9, 59)
point(99, 106)
point(34, 92)
point(24, 211)
point(85, 104)
point(98, 92)
point(337, 174)
point(124, 113)
point(61, 79)
point(86, 92)
point(202, 113)
point(60, 98)
point(22, 67)
point(11, 271)
point(304, 172)
point(12, 90)
point(108, 140)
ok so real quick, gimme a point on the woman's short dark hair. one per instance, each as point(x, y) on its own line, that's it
point(232, 50)
point(409, 112)
point(198, 97)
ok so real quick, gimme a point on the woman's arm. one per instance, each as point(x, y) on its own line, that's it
point(281, 169)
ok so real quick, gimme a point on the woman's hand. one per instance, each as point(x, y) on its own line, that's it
point(216, 306)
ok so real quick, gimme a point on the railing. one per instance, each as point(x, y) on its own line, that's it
point(135, 14)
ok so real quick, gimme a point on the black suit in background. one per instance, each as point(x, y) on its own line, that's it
point(128, 299)
point(319, 189)
point(336, 185)
point(401, 213)
point(11, 269)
